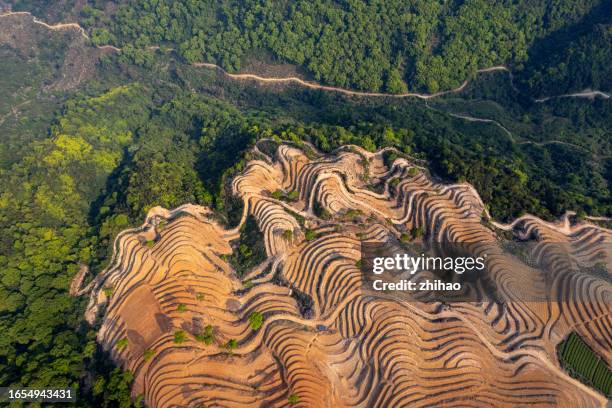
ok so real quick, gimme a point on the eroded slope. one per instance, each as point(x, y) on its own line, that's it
point(174, 312)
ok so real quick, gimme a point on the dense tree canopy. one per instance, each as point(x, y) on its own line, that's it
point(381, 45)
point(46, 237)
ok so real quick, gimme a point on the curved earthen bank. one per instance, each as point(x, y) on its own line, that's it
point(355, 347)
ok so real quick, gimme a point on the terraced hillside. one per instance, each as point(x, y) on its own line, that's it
point(301, 329)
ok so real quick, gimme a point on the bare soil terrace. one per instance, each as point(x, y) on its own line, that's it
point(175, 313)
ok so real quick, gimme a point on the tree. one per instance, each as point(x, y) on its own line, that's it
point(293, 399)
point(122, 344)
point(395, 83)
point(293, 196)
point(207, 336)
point(231, 345)
point(256, 320)
point(309, 235)
point(180, 337)
point(287, 235)
point(148, 354)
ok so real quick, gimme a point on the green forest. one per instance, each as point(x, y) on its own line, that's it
point(381, 45)
point(79, 165)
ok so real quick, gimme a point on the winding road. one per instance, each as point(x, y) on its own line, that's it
point(309, 84)
point(349, 92)
point(587, 93)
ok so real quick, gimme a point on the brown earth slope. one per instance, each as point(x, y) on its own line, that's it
point(28, 36)
point(353, 346)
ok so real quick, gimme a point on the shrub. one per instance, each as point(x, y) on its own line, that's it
point(293, 399)
point(207, 336)
point(321, 212)
point(181, 307)
point(417, 232)
point(309, 235)
point(256, 320)
point(352, 214)
point(389, 158)
point(245, 251)
point(231, 344)
point(288, 235)
point(325, 215)
point(148, 354)
point(293, 196)
point(180, 337)
point(122, 344)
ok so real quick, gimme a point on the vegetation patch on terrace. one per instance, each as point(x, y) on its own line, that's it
point(249, 248)
point(581, 362)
